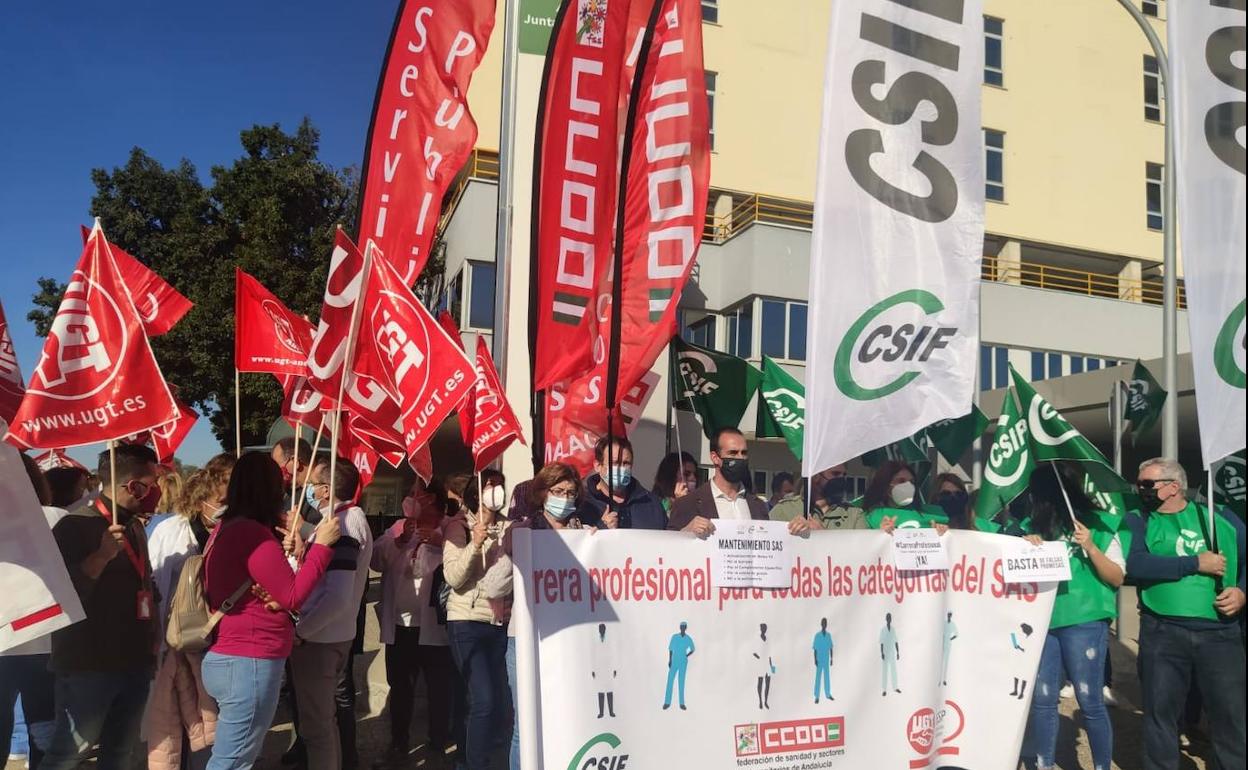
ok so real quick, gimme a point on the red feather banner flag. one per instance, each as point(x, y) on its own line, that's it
point(97, 379)
point(486, 420)
point(159, 305)
point(576, 418)
point(421, 132)
point(575, 182)
point(268, 336)
point(11, 387)
point(406, 351)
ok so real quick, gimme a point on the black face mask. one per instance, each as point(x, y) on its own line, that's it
point(835, 490)
point(735, 469)
point(954, 505)
point(1149, 498)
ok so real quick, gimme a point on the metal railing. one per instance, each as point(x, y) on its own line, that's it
point(749, 209)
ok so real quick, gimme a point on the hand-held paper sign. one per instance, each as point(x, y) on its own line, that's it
point(97, 379)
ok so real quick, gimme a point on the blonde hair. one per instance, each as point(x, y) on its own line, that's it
point(170, 489)
point(204, 484)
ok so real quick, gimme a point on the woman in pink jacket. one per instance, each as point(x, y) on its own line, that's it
point(243, 669)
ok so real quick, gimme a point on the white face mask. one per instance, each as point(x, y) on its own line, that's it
point(903, 493)
point(494, 498)
point(86, 501)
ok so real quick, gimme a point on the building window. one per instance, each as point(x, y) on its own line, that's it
point(994, 367)
point(994, 165)
point(1154, 179)
point(481, 295)
point(710, 11)
point(783, 329)
point(994, 41)
point(1094, 364)
point(1076, 364)
point(455, 298)
point(741, 330)
point(1149, 7)
point(712, 79)
point(1152, 89)
point(1037, 366)
point(700, 332)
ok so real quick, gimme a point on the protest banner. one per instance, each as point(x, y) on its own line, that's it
point(38, 597)
point(893, 349)
point(856, 665)
point(12, 388)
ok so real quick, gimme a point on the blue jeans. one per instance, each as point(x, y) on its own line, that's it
point(515, 709)
point(97, 707)
point(1076, 653)
point(246, 691)
point(480, 653)
point(1172, 660)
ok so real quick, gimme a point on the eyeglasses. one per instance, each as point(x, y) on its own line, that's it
point(566, 494)
point(1152, 483)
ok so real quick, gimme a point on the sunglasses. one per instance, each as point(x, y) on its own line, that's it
point(1152, 483)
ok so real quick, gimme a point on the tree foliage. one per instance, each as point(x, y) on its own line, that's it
point(272, 212)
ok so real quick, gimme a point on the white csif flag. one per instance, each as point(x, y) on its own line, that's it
point(1207, 85)
point(899, 225)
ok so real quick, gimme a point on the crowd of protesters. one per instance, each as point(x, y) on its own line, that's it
point(283, 553)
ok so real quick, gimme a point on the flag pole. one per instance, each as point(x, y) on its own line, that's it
point(307, 477)
point(294, 477)
point(1065, 495)
point(506, 188)
point(349, 354)
point(238, 417)
point(1116, 405)
point(112, 477)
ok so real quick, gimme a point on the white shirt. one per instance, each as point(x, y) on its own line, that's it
point(735, 508)
point(328, 616)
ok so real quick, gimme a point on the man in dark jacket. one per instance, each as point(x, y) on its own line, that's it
point(623, 503)
point(727, 496)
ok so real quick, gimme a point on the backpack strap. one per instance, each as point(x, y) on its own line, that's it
point(233, 598)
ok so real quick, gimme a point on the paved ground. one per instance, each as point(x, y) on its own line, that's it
point(373, 731)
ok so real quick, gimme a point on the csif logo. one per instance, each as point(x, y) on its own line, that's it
point(695, 371)
point(1189, 543)
point(882, 349)
point(1228, 349)
point(788, 409)
point(1230, 480)
point(602, 752)
point(1008, 457)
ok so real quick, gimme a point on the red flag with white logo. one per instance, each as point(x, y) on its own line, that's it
point(335, 331)
point(576, 417)
point(268, 336)
point(159, 305)
point(56, 458)
point(11, 387)
point(422, 132)
point(97, 379)
point(452, 328)
point(486, 420)
point(408, 353)
point(167, 438)
point(576, 181)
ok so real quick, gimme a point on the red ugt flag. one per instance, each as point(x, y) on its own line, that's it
point(11, 387)
point(409, 354)
point(97, 379)
point(487, 421)
point(159, 305)
point(168, 437)
point(268, 336)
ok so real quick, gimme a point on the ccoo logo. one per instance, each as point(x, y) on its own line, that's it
point(87, 341)
point(884, 352)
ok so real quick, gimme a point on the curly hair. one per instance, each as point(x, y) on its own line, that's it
point(204, 485)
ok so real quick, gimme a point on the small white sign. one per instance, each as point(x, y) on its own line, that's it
point(1048, 562)
point(919, 549)
point(751, 554)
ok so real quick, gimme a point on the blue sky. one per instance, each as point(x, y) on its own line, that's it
point(86, 82)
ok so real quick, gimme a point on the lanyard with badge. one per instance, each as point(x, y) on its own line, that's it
point(143, 598)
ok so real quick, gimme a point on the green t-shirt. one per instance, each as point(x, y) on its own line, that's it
point(1085, 597)
point(1181, 534)
point(908, 518)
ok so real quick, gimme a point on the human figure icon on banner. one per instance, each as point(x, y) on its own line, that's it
point(823, 661)
point(765, 665)
point(1020, 684)
point(679, 650)
point(604, 673)
point(890, 653)
point(951, 633)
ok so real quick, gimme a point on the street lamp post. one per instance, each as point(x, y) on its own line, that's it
point(1170, 278)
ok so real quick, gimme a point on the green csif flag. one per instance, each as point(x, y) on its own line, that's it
point(953, 437)
point(1229, 484)
point(716, 386)
point(782, 407)
point(1144, 401)
point(1009, 463)
point(1052, 438)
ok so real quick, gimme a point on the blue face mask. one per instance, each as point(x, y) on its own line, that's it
point(621, 476)
point(559, 508)
point(309, 495)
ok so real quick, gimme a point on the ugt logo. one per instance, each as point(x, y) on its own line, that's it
point(880, 350)
point(281, 327)
point(87, 340)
